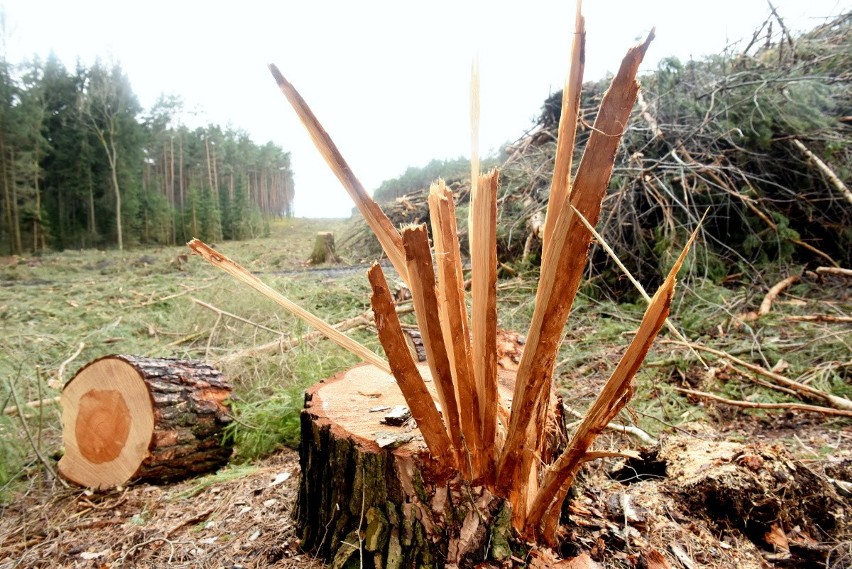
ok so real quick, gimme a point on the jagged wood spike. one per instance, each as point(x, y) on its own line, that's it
point(405, 371)
point(561, 270)
point(453, 312)
point(387, 234)
point(424, 296)
point(560, 186)
point(482, 232)
point(610, 401)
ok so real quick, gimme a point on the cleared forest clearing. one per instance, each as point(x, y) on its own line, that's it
point(142, 302)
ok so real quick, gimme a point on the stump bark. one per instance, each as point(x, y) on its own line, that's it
point(129, 418)
point(324, 249)
point(371, 496)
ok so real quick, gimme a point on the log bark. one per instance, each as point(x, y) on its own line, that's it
point(370, 494)
point(131, 418)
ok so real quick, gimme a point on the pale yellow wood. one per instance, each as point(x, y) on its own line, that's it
point(560, 186)
point(482, 232)
point(453, 313)
point(121, 383)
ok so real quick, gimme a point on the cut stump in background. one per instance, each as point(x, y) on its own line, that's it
point(128, 418)
point(324, 249)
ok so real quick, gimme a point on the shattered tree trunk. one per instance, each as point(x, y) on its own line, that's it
point(452, 492)
point(128, 418)
point(370, 493)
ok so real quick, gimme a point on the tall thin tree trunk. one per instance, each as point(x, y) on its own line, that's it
point(7, 197)
point(113, 158)
point(173, 229)
point(16, 220)
point(38, 235)
point(180, 170)
point(92, 225)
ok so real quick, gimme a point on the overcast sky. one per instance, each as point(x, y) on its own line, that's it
point(389, 80)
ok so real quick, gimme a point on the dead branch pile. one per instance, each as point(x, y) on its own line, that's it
point(761, 141)
point(411, 209)
point(758, 139)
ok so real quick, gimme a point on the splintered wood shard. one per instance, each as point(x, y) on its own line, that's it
point(385, 232)
point(405, 371)
point(482, 232)
point(453, 313)
point(222, 262)
point(422, 285)
point(561, 271)
point(560, 186)
point(611, 400)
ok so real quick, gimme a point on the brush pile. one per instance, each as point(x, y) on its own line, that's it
point(758, 139)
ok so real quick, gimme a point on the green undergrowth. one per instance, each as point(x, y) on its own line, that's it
point(140, 302)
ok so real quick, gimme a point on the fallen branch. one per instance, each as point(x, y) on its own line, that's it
point(800, 388)
point(222, 262)
point(834, 271)
point(773, 293)
point(756, 379)
point(624, 429)
point(753, 405)
point(14, 409)
point(48, 467)
point(824, 168)
point(820, 318)
point(221, 312)
point(770, 297)
point(60, 372)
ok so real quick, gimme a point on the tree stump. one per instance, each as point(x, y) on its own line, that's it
point(324, 250)
point(371, 496)
point(129, 418)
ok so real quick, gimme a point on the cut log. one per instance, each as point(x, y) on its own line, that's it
point(370, 492)
point(130, 418)
point(324, 250)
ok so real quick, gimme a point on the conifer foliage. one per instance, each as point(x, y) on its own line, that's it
point(82, 164)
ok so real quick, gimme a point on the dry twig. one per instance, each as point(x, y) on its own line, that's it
point(222, 262)
point(753, 405)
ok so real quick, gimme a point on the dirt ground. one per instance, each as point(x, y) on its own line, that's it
point(667, 510)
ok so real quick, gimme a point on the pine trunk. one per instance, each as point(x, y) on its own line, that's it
point(129, 418)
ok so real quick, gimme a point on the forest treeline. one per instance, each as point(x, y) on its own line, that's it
point(82, 164)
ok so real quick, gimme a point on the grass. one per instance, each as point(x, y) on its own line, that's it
point(139, 302)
